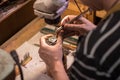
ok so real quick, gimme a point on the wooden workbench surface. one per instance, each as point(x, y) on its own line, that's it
point(23, 35)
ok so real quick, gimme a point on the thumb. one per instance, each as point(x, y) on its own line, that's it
point(43, 39)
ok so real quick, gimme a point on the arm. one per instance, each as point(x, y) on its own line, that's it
point(52, 56)
point(58, 72)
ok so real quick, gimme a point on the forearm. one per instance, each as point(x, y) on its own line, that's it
point(59, 73)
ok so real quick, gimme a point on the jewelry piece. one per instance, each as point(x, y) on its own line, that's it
point(51, 40)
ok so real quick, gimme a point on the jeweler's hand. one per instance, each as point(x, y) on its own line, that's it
point(52, 56)
point(51, 53)
point(78, 27)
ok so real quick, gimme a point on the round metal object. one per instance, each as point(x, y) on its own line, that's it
point(51, 40)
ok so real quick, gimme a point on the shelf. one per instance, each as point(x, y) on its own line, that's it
point(15, 19)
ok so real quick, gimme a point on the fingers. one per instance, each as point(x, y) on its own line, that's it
point(71, 33)
point(86, 25)
point(60, 38)
point(66, 19)
point(84, 20)
point(43, 39)
point(65, 22)
point(73, 27)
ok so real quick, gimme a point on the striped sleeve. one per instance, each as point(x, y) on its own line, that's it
point(98, 54)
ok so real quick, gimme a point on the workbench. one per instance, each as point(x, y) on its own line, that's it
point(27, 32)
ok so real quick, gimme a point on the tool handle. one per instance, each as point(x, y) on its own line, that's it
point(78, 16)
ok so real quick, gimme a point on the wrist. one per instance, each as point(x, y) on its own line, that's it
point(57, 72)
point(56, 67)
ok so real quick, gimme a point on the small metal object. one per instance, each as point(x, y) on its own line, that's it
point(38, 45)
point(51, 40)
point(58, 29)
point(27, 58)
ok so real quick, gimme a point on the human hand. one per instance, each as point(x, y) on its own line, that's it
point(78, 27)
point(51, 54)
